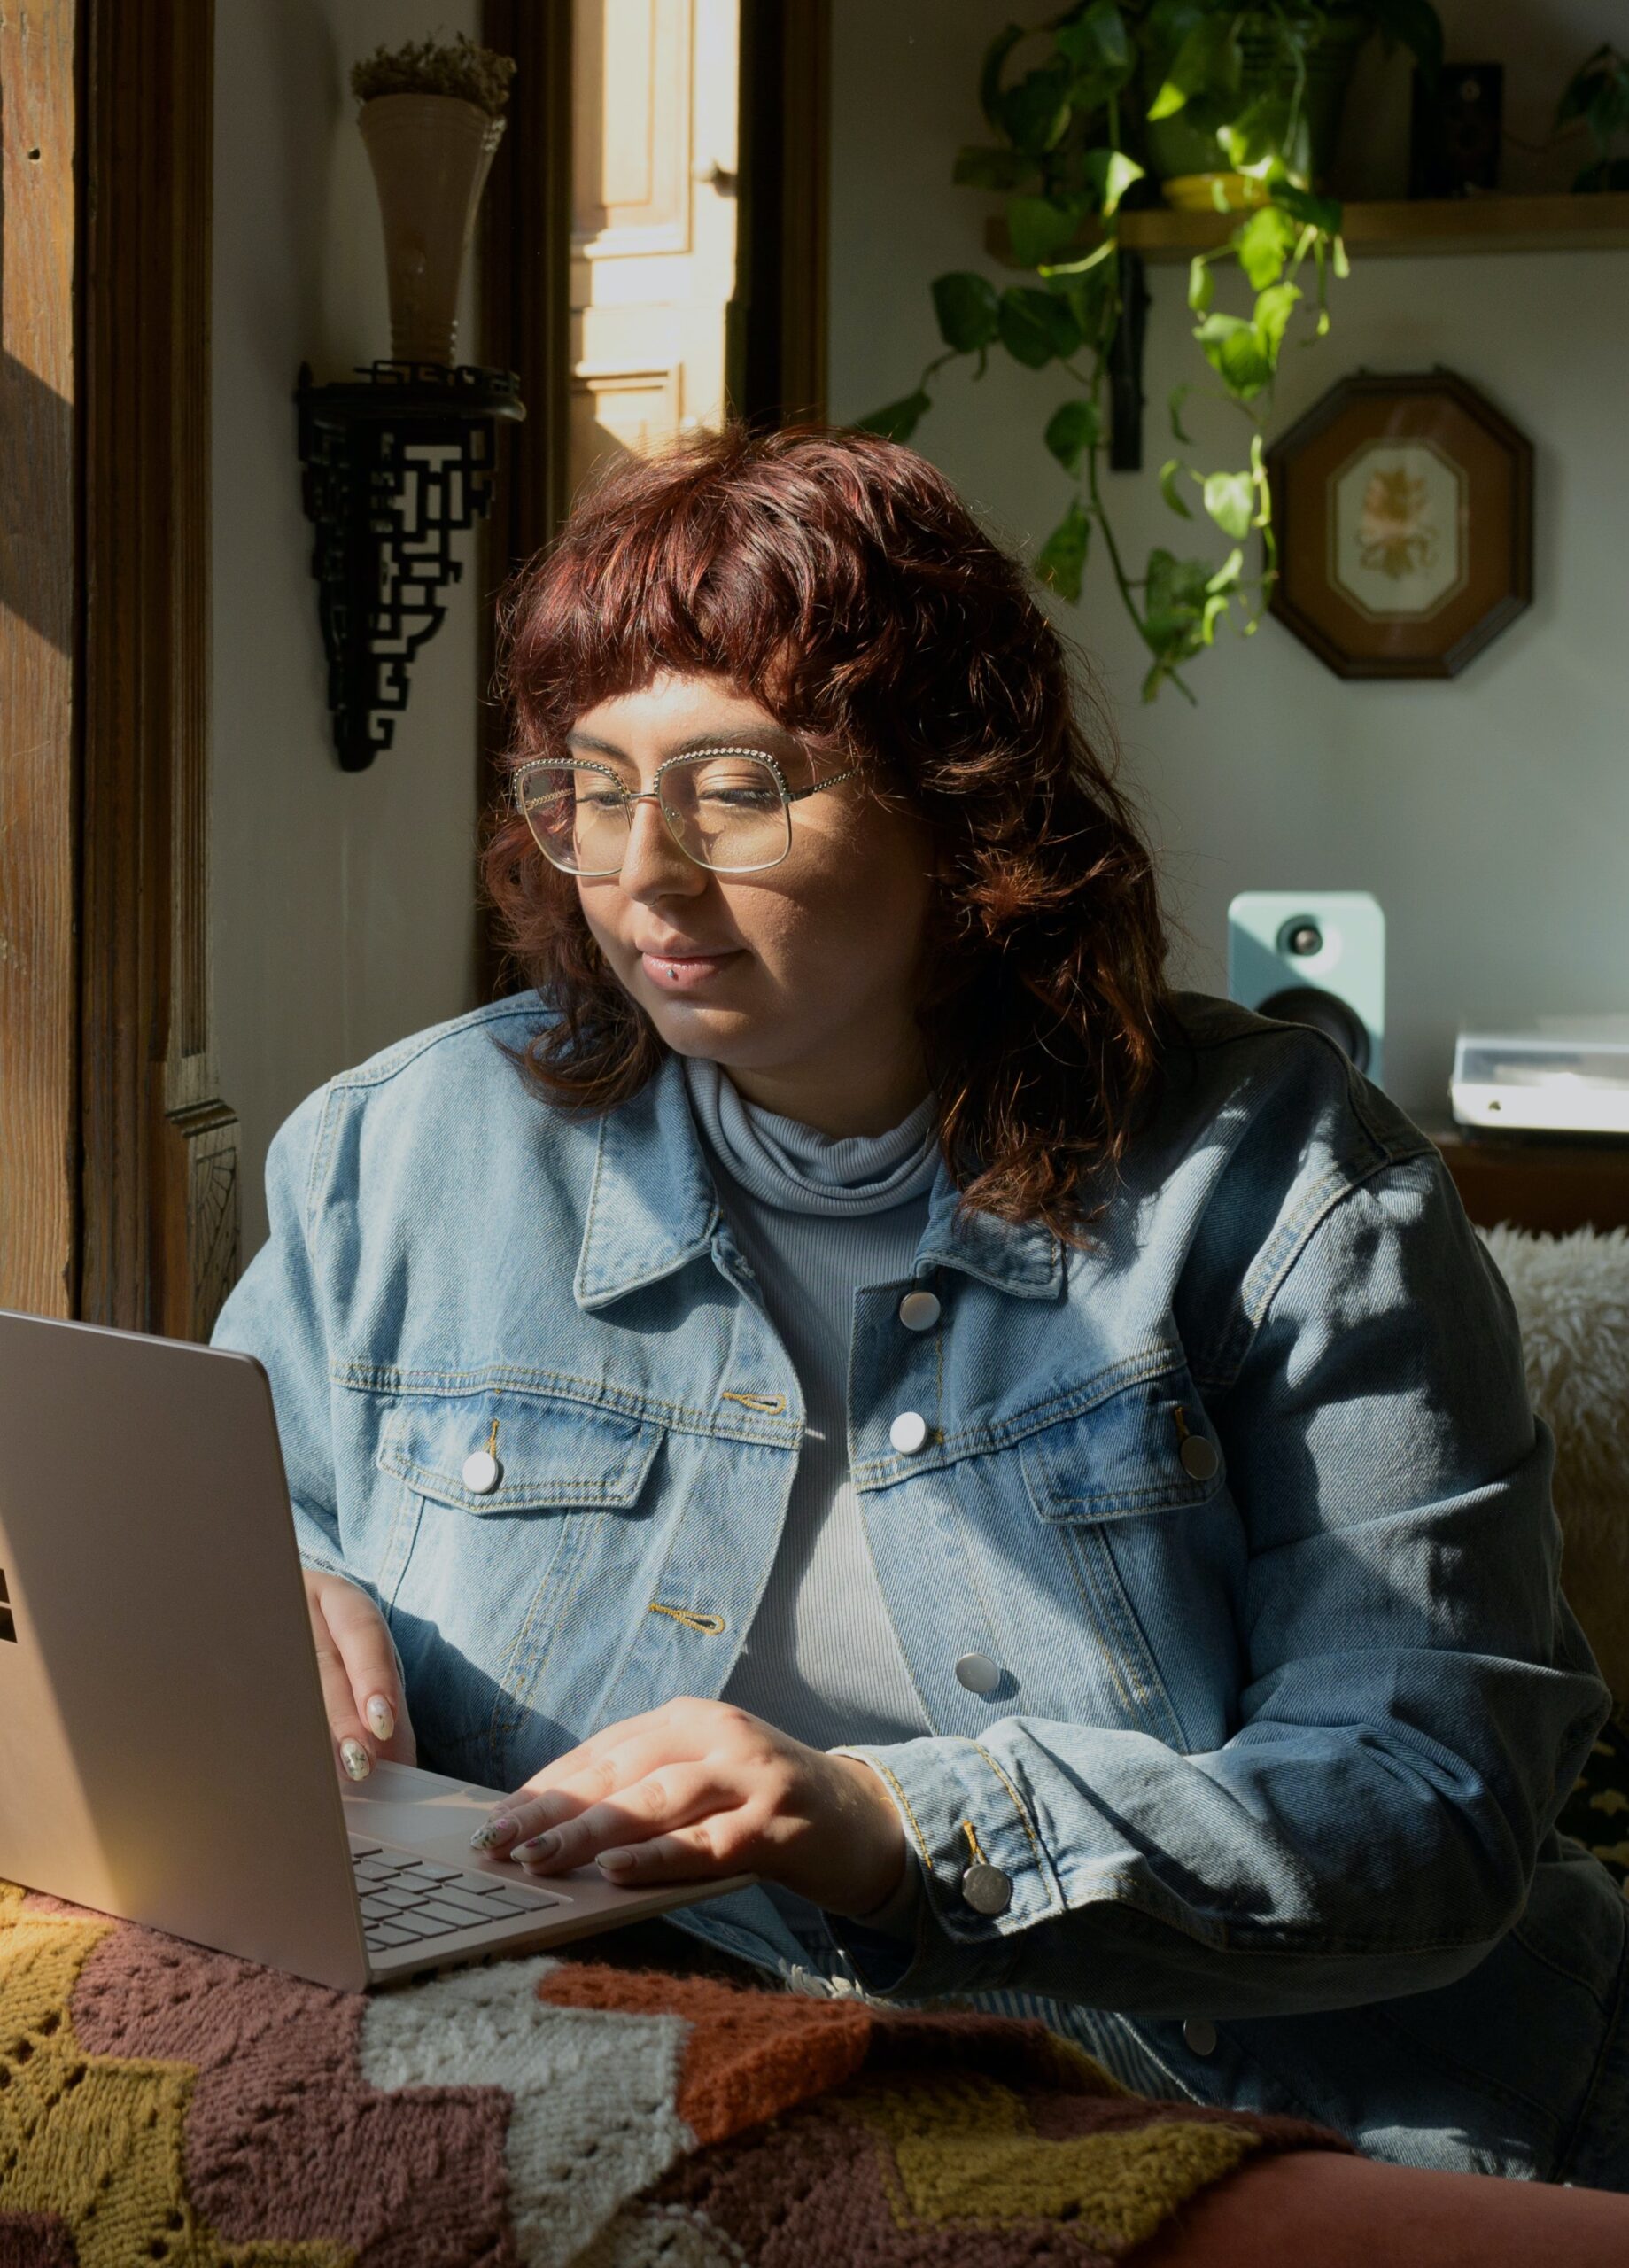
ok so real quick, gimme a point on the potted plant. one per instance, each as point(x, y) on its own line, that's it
point(431, 117)
point(1229, 86)
point(1073, 147)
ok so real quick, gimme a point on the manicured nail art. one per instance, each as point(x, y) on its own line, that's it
point(495, 1831)
point(381, 1717)
point(615, 1862)
point(537, 1846)
point(355, 1758)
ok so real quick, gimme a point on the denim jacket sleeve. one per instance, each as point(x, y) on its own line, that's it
point(1416, 1698)
point(274, 1313)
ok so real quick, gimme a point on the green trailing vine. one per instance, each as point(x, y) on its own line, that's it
point(1073, 134)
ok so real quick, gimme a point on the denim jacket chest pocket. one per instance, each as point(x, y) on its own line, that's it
point(1133, 1487)
point(476, 1581)
point(549, 1454)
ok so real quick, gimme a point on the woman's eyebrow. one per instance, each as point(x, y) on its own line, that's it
point(731, 736)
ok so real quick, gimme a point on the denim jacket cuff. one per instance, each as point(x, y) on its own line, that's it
point(961, 1811)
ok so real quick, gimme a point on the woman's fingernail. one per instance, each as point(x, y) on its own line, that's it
point(381, 1717)
point(615, 1862)
point(495, 1831)
point(539, 1846)
point(355, 1758)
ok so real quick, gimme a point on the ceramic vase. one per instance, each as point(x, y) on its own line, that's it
point(430, 155)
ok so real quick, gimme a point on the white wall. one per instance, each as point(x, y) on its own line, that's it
point(343, 902)
point(1489, 813)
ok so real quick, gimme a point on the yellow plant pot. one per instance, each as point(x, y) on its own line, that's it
point(1226, 192)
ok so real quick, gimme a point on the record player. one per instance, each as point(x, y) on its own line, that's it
point(1559, 1074)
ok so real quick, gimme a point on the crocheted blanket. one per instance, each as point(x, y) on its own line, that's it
point(158, 2102)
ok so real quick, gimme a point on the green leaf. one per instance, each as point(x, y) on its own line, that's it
point(1231, 568)
point(967, 310)
point(1090, 303)
point(1098, 42)
point(1035, 326)
point(1263, 244)
point(1206, 62)
point(1578, 92)
point(1170, 473)
point(991, 70)
point(1111, 174)
point(898, 420)
point(1039, 225)
point(1071, 431)
point(977, 167)
point(1037, 110)
point(1231, 499)
point(1274, 308)
point(1179, 394)
point(1418, 25)
point(1235, 351)
point(1313, 211)
point(1201, 284)
point(1270, 127)
point(1061, 560)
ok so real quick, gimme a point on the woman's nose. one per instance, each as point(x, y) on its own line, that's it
point(653, 864)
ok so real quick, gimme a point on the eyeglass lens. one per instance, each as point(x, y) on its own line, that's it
point(726, 811)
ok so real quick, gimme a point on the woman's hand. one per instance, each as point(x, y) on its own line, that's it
point(698, 1789)
point(367, 1711)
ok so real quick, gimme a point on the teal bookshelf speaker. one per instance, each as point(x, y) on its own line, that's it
point(1313, 956)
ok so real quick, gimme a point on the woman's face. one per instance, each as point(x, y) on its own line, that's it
point(799, 980)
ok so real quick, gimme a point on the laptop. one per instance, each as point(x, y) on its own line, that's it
point(165, 1754)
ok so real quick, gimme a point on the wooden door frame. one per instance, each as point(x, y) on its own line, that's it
point(148, 1239)
point(525, 285)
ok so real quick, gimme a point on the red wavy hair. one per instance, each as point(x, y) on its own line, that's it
point(838, 579)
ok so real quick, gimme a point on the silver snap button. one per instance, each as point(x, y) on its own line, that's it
point(908, 1432)
point(481, 1472)
point(918, 1310)
point(1201, 1459)
point(977, 1673)
point(1200, 2035)
point(987, 1890)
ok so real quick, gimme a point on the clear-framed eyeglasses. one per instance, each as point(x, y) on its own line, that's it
point(728, 809)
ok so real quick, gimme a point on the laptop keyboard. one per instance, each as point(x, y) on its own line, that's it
point(405, 1899)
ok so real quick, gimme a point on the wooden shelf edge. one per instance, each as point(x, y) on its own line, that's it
point(1395, 228)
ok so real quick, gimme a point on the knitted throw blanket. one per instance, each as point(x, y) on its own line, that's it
point(162, 2103)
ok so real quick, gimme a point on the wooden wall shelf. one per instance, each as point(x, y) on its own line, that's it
point(1392, 230)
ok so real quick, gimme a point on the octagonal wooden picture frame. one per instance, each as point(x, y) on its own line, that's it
point(1403, 507)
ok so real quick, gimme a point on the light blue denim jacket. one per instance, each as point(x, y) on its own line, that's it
point(1281, 1732)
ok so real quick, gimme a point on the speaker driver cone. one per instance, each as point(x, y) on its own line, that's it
point(1304, 1004)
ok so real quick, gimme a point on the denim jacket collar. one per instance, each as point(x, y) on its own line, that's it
point(653, 1208)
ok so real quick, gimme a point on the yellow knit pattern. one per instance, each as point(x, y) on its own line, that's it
point(98, 2139)
point(963, 2148)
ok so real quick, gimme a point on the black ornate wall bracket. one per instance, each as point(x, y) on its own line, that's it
point(396, 464)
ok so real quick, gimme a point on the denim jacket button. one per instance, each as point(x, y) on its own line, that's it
point(1199, 1458)
point(977, 1673)
point(481, 1472)
point(918, 1310)
point(987, 1890)
point(908, 1432)
point(1199, 2033)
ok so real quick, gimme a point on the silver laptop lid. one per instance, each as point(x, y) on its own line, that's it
point(164, 1751)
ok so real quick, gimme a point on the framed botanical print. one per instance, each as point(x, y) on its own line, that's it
point(1403, 507)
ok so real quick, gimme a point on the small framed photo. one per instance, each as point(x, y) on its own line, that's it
point(1403, 507)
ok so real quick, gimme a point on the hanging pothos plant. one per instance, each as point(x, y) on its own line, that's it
point(1237, 101)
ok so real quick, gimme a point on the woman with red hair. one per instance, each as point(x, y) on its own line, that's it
point(847, 1378)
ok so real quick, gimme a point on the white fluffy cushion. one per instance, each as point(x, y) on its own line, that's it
point(1571, 1296)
